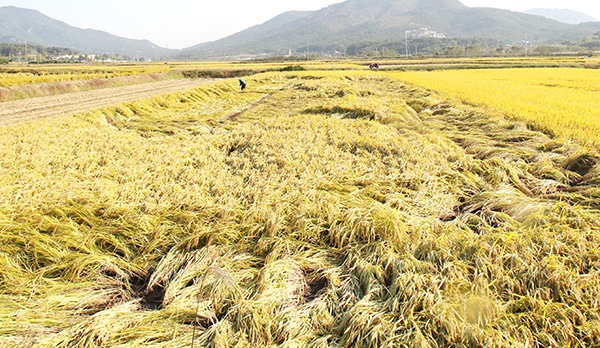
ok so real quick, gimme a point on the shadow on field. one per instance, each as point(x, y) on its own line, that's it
point(342, 112)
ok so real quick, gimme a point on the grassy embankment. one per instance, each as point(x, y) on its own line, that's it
point(46, 80)
point(314, 209)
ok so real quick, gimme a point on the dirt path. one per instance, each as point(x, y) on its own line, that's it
point(19, 111)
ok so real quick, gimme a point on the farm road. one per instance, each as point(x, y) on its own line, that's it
point(19, 111)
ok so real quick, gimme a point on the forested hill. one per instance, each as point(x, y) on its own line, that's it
point(338, 26)
point(562, 15)
point(18, 25)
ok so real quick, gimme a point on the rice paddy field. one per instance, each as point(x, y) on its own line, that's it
point(345, 208)
point(563, 102)
point(20, 74)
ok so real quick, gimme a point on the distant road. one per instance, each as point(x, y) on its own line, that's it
point(19, 111)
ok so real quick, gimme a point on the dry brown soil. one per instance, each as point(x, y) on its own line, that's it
point(19, 111)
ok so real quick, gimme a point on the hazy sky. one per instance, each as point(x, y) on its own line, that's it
point(184, 23)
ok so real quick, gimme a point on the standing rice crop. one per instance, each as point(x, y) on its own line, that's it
point(561, 101)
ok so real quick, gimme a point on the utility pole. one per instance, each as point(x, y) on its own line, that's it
point(406, 41)
point(527, 43)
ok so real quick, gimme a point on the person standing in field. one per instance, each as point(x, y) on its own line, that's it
point(242, 84)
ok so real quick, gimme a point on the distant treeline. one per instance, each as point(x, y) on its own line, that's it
point(27, 53)
point(21, 52)
point(462, 48)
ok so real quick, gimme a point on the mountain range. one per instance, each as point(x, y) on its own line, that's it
point(19, 25)
point(562, 15)
point(330, 29)
point(338, 26)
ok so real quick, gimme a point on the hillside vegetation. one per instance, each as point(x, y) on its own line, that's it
point(315, 209)
point(344, 28)
point(23, 25)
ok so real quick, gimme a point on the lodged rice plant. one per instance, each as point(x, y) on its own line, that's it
point(314, 209)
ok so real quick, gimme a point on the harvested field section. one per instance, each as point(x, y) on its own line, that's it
point(20, 111)
point(333, 209)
